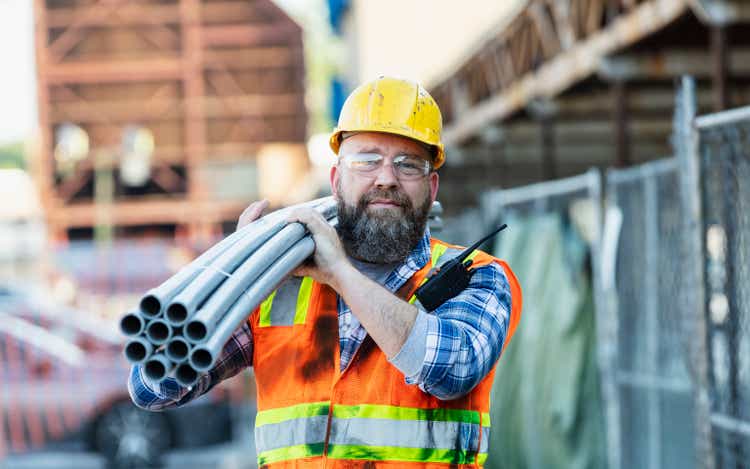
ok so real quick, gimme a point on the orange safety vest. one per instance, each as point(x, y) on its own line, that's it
point(312, 415)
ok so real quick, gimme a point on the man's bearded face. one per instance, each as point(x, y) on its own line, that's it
point(382, 235)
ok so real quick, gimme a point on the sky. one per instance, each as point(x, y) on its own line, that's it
point(17, 83)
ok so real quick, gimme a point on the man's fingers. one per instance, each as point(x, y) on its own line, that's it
point(252, 213)
point(310, 218)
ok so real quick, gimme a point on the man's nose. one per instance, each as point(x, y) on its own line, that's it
point(386, 176)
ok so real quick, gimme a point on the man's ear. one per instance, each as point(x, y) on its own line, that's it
point(434, 183)
point(334, 178)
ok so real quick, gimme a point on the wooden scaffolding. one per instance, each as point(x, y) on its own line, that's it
point(213, 82)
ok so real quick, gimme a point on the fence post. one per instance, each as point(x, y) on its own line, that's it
point(686, 141)
point(606, 328)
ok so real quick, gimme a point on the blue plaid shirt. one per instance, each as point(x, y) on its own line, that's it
point(447, 353)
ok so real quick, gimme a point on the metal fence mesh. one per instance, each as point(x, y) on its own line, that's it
point(654, 387)
point(724, 153)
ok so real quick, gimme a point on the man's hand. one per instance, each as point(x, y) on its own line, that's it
point(252, 213)
point(329, 261)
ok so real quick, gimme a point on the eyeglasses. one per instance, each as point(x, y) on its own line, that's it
point(407, 167)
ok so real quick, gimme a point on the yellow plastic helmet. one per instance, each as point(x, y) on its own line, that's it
point(394, 106)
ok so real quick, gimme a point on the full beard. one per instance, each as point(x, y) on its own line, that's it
point(382, 236)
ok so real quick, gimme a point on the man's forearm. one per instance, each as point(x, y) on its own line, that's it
point(385, 317)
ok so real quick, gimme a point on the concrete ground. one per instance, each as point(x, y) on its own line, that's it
point(227, 456)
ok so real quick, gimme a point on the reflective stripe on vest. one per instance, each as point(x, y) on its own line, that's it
point(438, 253)
point(287, 305)
point(392, 433)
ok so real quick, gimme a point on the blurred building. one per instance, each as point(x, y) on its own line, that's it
point(167, 116)
point(541, 89)
point(22, 231)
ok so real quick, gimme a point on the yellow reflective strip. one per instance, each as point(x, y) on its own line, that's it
point(412, 299)
point(265, 311)
point(483, 458)
point(376, 411)
point(290, 452)
point(282, 414)
point(437, 253)
point(486, 419)
point(303, 300)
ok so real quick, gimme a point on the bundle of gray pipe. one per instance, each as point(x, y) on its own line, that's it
point(181, 326)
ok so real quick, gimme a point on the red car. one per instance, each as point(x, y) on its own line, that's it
point(62, 381)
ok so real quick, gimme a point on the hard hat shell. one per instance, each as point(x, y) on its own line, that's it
point(394, 106)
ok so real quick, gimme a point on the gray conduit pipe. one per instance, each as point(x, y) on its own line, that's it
point(183, 306)
point(138, 350)
point(178, 349)
point(203, 356)
point(132, 324)
point(154, 301)
point(159, 331)
point(201, 325)
point(157, 367)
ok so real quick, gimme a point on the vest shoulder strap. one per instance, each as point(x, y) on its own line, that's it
point(288, 304)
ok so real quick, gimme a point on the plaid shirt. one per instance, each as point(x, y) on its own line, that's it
point(447, 353)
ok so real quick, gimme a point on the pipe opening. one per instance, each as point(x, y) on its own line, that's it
point(177, 313)
point(150, 306)
point(135, 352)
point(158, 331)
point(177, 350)
point(131, 324)
point(196, 331)
point(201, 359)
point(186, 375)
point(155, 370)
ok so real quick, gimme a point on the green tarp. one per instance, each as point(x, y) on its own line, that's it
point(546, 405)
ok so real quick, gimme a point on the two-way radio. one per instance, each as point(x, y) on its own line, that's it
point(448, 280)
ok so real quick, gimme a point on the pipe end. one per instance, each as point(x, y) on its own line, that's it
point(177, 350)
point(186, 375)
point(176, 313)
point(196, 331)
point(155, 369)
point(201, 359)
point(158, 332)
point(136, 351)
point(150, 306)
point(132, 324)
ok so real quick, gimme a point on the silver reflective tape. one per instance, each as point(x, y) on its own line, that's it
point(405, 433)
point(285, 302)
point(306, 430)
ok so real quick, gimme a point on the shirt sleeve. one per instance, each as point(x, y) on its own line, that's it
point(450, 350)
point(235, 356)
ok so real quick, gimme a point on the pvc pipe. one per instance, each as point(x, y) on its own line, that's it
point(186, 375)
point(183, 306)
point(159, 331)
point(132, 324)
point(157, 367)
point(203, 356)
point(138, 350)
point(153, 302)
point(178, 349)
point(203, 322)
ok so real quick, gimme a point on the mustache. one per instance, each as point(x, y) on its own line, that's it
point(392, 195)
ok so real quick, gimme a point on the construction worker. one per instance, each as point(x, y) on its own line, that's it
point(351, 370)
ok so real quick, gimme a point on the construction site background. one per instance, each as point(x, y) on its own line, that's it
point(623, 180)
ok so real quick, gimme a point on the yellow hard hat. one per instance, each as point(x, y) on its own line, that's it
point(394, 106)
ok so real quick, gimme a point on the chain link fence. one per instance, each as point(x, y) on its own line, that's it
point(670, 258)
point(646, 254)
point(724, 163)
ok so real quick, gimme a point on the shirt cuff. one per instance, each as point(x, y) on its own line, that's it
point(410, 359)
